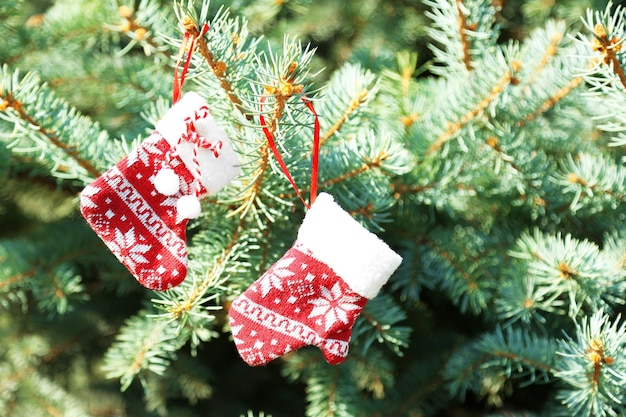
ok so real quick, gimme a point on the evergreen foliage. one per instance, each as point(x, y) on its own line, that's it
point(482, 140)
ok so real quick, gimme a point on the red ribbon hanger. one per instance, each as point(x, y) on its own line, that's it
point(190, 39)
point(314, 153)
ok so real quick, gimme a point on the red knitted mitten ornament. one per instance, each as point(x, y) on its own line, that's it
point(141, 206)
point(315, 292)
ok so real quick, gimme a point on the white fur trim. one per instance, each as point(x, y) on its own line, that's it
point(358, 256)
point(216, 171)
point(172, 125)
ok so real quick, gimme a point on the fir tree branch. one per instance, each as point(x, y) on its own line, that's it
point(419, 394)
point(574, 178)
point(608, 48)
point(61, 348)
point(493, 143)
point(548, 55)
point(76, 254)
point(52, 410)
point(375, 323)
point(254, 190)
point(17, 278)
point(368, 165)
point(30, 373)
point(560, 94)
point(453, 128)
point(500, 353)
point(399, 188)
point(143, 344)
point(136, 366)
point(18, 376)
point(366, 211)
point(354, 105)
point(135, 31)
point(409, 119)
point(26, 370)
point(593, 182)
point(598, 344)
point(533, 364)
point(332, 393)
point(187, 304)
point(471, 284)
point(282, 91)
point(218, 67)
point(479, 362)
point(407, 63)
point(18, 108)
point(266, 248)
point(467, 57)
point(184, 306)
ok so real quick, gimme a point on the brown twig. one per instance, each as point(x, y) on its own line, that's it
point(354, 105)
point(366, 166)
point(470, 115)
point(467, 57)
point(218, 67)
point(186, 305)
point(424, 390)
point(17, 278)
point(471, 284)
point(596, 355)
point(17, 106)
point(139, 32)
point(609, 48)
point(553, 100)
point(550, 53)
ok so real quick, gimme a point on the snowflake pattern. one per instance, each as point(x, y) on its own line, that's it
point(273, 278)
point(137, 223)
point(86, 196)
point(299, 301)
point(333, 306)
point(145, 153)
point(125, 244)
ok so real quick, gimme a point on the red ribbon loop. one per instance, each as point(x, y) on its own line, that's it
point(314, 154)
point(191, 46)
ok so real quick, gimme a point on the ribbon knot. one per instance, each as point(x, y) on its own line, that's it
point(214, 147)
point(192, 136)
point(189, 43)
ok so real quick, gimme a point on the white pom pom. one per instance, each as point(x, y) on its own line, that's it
point(188, 207)
point(166, 182)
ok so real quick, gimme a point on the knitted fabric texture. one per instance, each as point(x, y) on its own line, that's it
point(302, 300)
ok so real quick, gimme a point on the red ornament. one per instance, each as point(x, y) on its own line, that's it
point(140, 207)
point(315, 292)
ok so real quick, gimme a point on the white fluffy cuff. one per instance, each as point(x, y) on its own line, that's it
point(217, 171)
point(358, 256)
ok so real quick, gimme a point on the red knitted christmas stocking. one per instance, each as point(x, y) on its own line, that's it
point(315, 292)
point(140, 207)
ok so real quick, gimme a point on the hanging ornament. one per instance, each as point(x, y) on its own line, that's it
point(315, 292)
point(140, 207)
